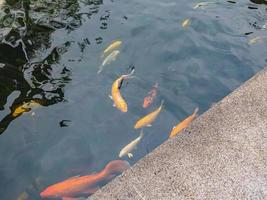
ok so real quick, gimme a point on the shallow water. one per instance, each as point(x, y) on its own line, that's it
point(50, 50)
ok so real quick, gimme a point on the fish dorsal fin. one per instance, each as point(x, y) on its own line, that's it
point(74, 177)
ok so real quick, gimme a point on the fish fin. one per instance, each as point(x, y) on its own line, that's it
point(173, 127)
point(149, 125)
point(130, 155)
point(156, 85)
point(90, 190)
point(110, 97)
point(73, 177)
point(114, 105)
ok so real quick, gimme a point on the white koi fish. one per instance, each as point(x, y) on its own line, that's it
point(186, 22)
point(111, 57)
point(130, 147)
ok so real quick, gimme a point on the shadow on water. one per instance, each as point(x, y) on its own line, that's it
point(31, 68)
point(259, 1)
point(26, 28)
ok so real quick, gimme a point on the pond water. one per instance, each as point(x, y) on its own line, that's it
point(50, 52)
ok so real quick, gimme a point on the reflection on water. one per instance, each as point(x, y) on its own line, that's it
point(56, 120)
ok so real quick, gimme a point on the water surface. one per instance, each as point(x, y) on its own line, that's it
point(50, 51)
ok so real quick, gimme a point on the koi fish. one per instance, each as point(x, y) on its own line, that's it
point(148, 119)
point(25, 107)
point(182, 125)
point(129, 147)
point(23, 196)
point(150, 96)
point(111, 57)
point(84, 185)
point(119, 102)
point(186, 22)
point(256, 39)
point(114, 45)
point(202, 4)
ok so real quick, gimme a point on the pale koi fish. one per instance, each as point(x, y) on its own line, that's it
point(131, 146)
point(114, 45)
point(110, 58)
point(186, 22)
point(256, 39)
point(148, 119)
point(182, 125)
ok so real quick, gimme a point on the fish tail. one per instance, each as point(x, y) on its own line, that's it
point(100, 69)
point(116, 167)
point(141, 134)
point(162, 102)
point(130, 75)
point(195, 111)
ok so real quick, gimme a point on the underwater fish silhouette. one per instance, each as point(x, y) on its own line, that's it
point(84, 185)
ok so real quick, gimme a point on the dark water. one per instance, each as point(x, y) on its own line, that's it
point(50, 51)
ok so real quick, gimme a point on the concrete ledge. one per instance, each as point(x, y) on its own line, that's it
point(222, 155)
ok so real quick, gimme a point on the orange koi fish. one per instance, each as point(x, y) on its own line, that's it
point(148, 100)
point(84, 185)
point(119, 102)
point(182, 125)
point(148, 119)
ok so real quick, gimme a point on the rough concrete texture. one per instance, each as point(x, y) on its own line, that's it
point(222, 155)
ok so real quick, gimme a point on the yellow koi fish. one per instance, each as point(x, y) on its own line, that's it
point(116, 96)
point(130, 147)
point(114, 45)
point(256, 39)
point(111, 57)
point(186, 22)
point(148, 119)
point(25, 107)
point(182, 125)
point(23, 196)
